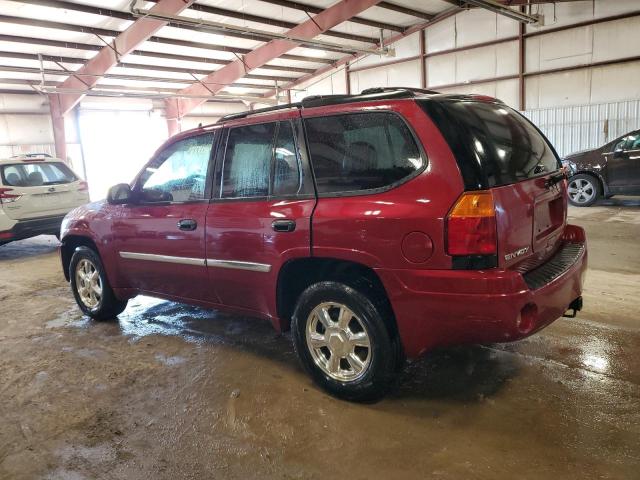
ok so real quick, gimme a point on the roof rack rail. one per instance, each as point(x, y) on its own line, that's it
point(369, 94)
point(235, 116)
point(32, 155)
point(367, 91)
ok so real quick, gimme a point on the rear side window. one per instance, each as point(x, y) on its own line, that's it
point(247, 162)
point(362, 151)
point(36, 174)
point(493, 144)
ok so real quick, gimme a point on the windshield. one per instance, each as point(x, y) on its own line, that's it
point(36, 174)
point(493, 144)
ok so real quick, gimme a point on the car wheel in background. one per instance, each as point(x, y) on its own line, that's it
point(583, 190)
point(90, 286)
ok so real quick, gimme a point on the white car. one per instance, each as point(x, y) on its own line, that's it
point(36, 192)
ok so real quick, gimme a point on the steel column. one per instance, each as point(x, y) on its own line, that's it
point(323, 21)
point(57, 121)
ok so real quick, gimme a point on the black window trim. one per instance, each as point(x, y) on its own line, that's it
point(368, 191)
point(137, 188)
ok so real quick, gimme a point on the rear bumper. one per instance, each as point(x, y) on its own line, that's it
point(32, 227)
point(449, 307)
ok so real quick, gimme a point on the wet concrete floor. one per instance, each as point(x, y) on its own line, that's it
point(172, 391)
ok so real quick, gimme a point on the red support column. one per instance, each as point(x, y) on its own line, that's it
point(423, 60)
point(57, 121)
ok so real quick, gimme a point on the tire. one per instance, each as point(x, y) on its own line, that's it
point(326, 346)
point(583, 190)
point(99, 306)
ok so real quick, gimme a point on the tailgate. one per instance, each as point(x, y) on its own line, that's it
point(530, 221)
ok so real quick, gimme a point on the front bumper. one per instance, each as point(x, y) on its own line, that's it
point(33, 227)
point(449, 307)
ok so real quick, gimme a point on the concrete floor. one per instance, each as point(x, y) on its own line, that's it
point(171, 391)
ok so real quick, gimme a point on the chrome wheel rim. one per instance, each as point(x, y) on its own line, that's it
point(88, 283)
point(581, 190)
point(338, 342)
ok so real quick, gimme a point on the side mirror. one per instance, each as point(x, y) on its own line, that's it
point(120, 194)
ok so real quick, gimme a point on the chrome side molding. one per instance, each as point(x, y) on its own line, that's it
point(163, 258)
point(199, 262)
point(251, 266)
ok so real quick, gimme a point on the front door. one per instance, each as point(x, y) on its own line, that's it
point(623, 165)
point(261, 212)
point(160, 237)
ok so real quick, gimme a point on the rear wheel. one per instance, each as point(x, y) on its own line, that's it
point(90, 286)
point(583, 190)
point(341, 339)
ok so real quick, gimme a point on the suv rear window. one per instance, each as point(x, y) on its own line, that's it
point(493, 144)
point(361, 151)
point(36, 174)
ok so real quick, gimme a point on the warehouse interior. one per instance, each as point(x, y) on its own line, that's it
point(168, 390)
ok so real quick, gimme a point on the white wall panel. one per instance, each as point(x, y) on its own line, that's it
point(406, 74)
point(25, 129)
point(589, 85)
point(441, 36)
point(404, 48)
point(617, 39)
point(441, 70)
point(615, 82)
point(469, 65)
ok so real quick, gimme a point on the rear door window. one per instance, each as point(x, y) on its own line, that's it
point(36, 174)
point(493, 144)
point(363, 151)
point(247, 161)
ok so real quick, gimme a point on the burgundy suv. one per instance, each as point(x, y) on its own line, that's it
point(374, 226)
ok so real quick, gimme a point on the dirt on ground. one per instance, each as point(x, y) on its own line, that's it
point(170, 391)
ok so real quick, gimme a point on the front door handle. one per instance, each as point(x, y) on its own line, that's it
point(283, 225)
point(188, 224)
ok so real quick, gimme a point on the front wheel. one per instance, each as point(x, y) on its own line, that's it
point(342, 340)
point(90, 286)
point(583, 190)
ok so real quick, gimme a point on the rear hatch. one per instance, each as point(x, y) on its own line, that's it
point(40, 189)
point(499, 150)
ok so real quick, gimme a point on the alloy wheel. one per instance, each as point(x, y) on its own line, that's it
point(338, 341)
point(88, 283)
point(581, 191)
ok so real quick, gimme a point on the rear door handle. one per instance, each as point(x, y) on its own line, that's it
point(283, 225)
point(188, 224)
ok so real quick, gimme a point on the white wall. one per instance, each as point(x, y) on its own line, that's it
point(473, 70)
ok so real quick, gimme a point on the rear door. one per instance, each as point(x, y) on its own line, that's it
point(498, 149)
point(260, 216)
point(159, 239)
point(45, 189)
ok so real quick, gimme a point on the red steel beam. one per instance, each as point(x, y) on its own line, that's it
point(57, 122)
point(124, 43)
point(216, 81)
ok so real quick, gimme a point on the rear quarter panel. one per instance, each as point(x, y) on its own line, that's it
point(370, 228)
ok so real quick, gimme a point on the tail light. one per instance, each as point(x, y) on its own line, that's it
point(83, 187)
point(6, 197)
point(471, 225)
